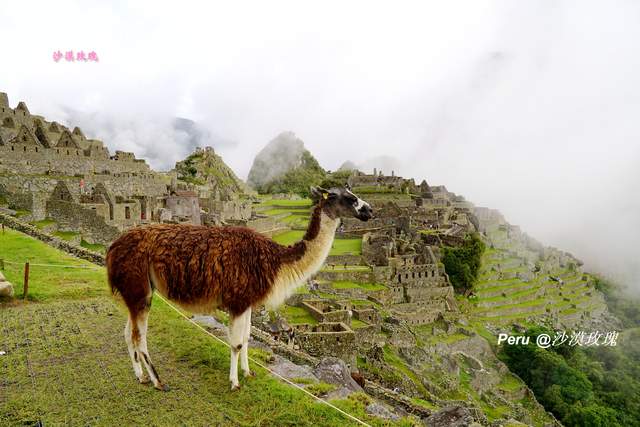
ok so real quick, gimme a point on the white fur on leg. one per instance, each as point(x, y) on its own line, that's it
point(143, 352)
point(137, 367)
point(244, 352)
point(237, 329)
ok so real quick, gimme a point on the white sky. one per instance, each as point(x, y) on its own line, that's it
point(528, 107)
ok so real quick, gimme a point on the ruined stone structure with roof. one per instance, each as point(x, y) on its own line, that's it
point(55, 174)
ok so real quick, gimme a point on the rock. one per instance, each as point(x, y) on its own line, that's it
point(451, 416)
point(6, 289)
point(380, 411)
point(334, 371)
point(290, 370)
point(340, 393)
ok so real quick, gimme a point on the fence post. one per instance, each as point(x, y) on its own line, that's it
point(26, 281)
point(1, 264)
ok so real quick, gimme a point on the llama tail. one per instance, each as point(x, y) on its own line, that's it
point(111, 271)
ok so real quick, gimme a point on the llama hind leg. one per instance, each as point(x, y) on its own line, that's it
point(237, 330)
point(143, 352)
point(244, 352)
point(135, 359)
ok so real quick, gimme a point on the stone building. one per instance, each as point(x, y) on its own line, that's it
point(328, 339)
point(54, 172)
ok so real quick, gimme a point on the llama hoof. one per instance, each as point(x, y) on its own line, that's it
point(144, 380)
point(235, 387)
point(249, 374)
point(162, 387)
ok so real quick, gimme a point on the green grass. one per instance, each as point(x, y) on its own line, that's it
point(340, 246)
point(289, 237)
point(510, 383)
point(279, 211)
point(356, 324)
point(65, 235)
point(350, 268)
point(22, 213)
point(343, 284)
point(298, 315)
point(320, 389)
point(43, 223)
point(396, 362)
point(67, 363)
point(302, 203)
point(96, 247)
point(346, 246)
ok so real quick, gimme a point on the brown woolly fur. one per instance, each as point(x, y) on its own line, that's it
point(232, 268)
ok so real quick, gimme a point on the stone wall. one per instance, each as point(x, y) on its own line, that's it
point(328, 339)
point(73, 217)
point(324, 311)
point(367, 335)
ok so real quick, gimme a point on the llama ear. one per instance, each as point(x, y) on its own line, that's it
point(318, 193)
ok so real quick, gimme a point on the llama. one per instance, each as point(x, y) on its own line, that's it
point(233, 268)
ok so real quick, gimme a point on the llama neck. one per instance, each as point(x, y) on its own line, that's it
point(302, 260)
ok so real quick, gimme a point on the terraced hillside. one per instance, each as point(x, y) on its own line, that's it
point(437, 365)
point(521, 285)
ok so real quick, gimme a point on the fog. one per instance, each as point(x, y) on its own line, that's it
point(528, 108)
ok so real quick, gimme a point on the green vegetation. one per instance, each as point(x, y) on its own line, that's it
point(96, 247)
point(20, 213)
point(346, 246)
point(350, 268)
point(623, 306)
point(284, 203)
point(343, 284)
point(582, 386)
point(67, 361)
point(203, 167)
point(463, 263)
point(297, 180)
point(320, 389)
point(65, 235)
point(356, 324)
point(289, 237)
point(43, 223)
point(336, 179)
point(298, 315)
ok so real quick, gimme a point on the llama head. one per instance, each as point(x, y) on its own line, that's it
point(341, 203)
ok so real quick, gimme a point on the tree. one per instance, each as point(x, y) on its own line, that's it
point(462, 263)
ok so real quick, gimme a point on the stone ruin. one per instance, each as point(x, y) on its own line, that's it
point(57, 173)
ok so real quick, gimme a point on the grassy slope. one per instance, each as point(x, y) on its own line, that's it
point(66, 360)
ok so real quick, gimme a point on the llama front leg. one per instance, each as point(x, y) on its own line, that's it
point(237, 329)
point(244, 352)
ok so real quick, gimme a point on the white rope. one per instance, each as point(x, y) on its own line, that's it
point(263, 366)
point(221, 341)
point(82, 267)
